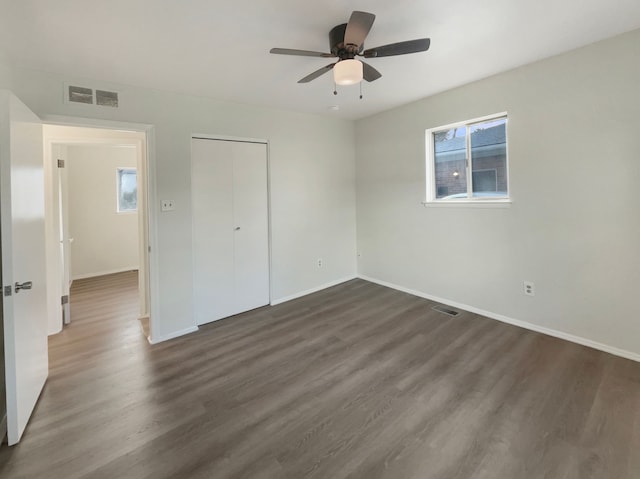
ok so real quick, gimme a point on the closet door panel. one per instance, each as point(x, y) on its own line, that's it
point(213, 235)
point(251, 230)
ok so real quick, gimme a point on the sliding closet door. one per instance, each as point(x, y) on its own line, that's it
point(230, 228)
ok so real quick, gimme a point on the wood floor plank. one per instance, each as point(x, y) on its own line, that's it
point(355, 381)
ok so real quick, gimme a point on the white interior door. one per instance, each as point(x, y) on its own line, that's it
point(212, 196)
point(250, 213)
point(23, 261)
point(230, 228)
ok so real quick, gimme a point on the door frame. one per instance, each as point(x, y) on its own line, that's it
point(148, 176)
point(208, 136)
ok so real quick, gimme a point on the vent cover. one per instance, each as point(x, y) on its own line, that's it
point(444, 309)
point(107, 98)
point(80, 94)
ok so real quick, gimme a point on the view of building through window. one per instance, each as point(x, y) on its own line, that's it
point(479, 149)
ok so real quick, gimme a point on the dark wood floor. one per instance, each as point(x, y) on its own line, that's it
point(357, 381)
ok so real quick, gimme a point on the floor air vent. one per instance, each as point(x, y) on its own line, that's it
point(445, 310)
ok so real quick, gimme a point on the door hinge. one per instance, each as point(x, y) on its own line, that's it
point(64, 299)
point(60, 163)
point(8, 290)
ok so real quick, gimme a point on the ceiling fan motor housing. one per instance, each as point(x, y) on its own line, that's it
point(336, 43)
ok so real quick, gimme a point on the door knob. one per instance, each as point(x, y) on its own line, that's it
point(25, 285)
point(237, 228)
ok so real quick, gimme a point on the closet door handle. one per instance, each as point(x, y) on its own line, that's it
point(237, 228)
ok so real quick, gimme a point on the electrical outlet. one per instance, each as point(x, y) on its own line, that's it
point(167, 205)
point(529, 288)
point(319, 262)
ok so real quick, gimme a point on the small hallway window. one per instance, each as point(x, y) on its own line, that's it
point(127, 190)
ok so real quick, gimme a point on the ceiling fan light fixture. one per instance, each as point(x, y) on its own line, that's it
point(347, 72)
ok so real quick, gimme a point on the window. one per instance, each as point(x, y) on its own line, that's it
point(127, 186)
point(467, 162)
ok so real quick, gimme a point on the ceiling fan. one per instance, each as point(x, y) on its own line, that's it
point(346, 42)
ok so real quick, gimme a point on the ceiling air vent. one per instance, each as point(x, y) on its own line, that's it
point(80, 94)
point(107, 98)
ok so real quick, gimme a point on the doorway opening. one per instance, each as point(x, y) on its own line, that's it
point(97, 217)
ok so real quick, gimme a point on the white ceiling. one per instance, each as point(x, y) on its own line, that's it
point(221, 49)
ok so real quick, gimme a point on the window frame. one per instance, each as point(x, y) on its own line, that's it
point(431, 188)
point(118, 170)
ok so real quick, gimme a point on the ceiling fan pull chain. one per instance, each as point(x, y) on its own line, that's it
point(335, 88)
point(361, 90)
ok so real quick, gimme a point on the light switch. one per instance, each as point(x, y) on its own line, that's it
point(168, 205)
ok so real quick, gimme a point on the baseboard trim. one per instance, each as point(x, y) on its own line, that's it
point(311, 291)
point(173, 335)
point(193, 329)
point(515, 322)
point(104, 273)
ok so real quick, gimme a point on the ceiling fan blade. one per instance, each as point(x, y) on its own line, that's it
point(369, 73)
point(401, 48)
point(317, 73)
point(358, 28)
point(301, 53)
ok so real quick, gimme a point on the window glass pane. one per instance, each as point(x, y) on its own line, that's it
point(489, 158)
point(127, 190)
point(450, 148)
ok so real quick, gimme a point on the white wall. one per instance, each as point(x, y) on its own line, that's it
point(312, 177)
point(104, 241)
point(5, 74)
point(574, 225)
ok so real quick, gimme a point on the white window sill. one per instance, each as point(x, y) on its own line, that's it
point(503, 203)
